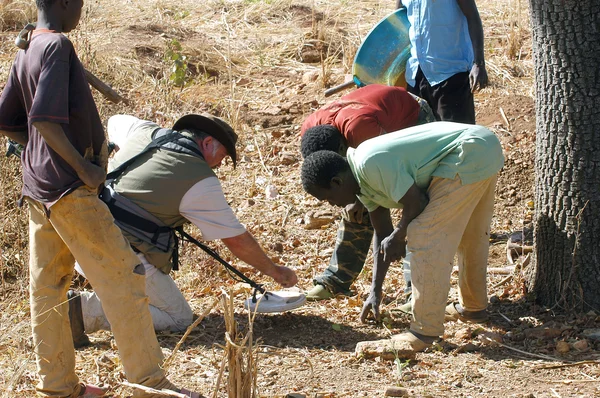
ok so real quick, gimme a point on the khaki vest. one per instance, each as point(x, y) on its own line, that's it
point(156, 182)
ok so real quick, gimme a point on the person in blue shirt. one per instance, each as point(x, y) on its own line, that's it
point(446, 63)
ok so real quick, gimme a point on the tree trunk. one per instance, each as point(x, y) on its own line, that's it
point(566, 49)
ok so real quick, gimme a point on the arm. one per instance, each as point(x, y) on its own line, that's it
point(413, 202)
point(53, 134)
point(205, 206)
point(478, 76)
point(20, 137)
point(399, 4)
point(246, 248)
point(382, 223)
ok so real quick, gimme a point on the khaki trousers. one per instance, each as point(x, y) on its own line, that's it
point(456, 221)
point(81, 227)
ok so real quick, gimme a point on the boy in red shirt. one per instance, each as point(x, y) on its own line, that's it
point(47, 106)
point(365, 113)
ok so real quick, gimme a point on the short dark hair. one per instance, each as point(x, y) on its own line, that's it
point(320, 167)
point(44, 4)
point(323, 137)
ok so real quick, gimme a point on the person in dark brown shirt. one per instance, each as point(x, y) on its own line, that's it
point(47, 106)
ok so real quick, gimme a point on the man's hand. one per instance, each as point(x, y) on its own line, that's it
point(371, 307)
point(393, 246)
point(91, 175)
point(285, 276)
point(478, 77)
point(355, 212)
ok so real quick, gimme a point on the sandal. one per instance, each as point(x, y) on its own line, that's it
point(455, 312)
point(91, 391)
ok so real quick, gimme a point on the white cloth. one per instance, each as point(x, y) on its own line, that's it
point(168, 307)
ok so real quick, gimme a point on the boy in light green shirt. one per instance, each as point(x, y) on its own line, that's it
point(443, 175)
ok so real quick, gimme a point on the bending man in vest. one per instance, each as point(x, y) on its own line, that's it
point(175, 185)
point(365, 113)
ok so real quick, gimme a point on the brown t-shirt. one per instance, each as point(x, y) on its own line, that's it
point(368, 112)
point(47, 83)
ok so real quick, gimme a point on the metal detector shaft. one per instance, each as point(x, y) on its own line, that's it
point(230, 267)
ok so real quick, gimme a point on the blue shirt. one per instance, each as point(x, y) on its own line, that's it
point(439, 38)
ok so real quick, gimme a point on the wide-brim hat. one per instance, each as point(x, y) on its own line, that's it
point(213, 126)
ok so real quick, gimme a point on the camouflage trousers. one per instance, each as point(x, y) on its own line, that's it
point(425, 113)
point(349, 255)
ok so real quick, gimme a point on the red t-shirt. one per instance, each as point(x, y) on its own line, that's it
point(47, 83)
point(368, 112)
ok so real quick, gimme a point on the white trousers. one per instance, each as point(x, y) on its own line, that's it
point(168, 307)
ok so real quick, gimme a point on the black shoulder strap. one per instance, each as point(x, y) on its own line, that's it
point(162, 139)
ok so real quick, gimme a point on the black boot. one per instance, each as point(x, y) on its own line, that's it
point(80, 339)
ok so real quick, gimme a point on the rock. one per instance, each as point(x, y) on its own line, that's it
point(562, 347)
point(581, 345)
point(542, 332)
point(278, 247)
point(488, 338)
point(469, 347)
point(288, 158)
point(396, 392)
point(272, 110)
point(271, 192)
point(310, 77)
point(387, 349)
point(294, 395)
point(464, 334)
point(247, 203)
point(316, 219)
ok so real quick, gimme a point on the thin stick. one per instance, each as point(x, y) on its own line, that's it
point(522, 352)
point(221, 371)
point(503, 281)
point(286, 217)
point(189, 330)
point(262, 161)
point(572, 381)
point(505, 118)
point(566, 365)
point(505, 317)
point(165, 392)
point(501, 270)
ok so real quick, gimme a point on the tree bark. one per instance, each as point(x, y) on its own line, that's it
point(566, 49)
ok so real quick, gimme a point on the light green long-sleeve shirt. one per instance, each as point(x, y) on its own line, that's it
point(387, 166)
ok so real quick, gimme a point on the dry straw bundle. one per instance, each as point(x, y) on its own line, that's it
point(240, 355)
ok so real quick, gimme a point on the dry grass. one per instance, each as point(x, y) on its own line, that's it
point(240, 354)
point(14, 14)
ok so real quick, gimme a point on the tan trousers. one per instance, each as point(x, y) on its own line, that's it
point(456, 221)
point(81, 227)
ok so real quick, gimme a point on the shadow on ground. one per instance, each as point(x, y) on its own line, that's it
point(278, 330)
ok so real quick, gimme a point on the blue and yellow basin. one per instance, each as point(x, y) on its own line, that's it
point(382, 56)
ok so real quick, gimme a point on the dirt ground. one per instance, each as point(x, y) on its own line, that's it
point(264, 66)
